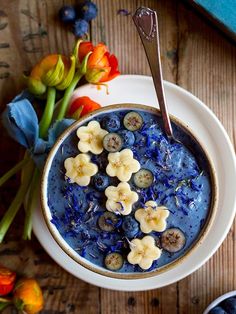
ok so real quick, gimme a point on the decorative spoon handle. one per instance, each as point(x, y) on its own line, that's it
point(146, 23)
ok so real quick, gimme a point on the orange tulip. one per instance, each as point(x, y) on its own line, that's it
point(52, 70)
point(101, 65)
point(7, 279)
point(28, 296)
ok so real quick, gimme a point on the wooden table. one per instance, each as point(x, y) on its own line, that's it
point(195, 56)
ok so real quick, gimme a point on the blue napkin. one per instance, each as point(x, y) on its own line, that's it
point(21, 122)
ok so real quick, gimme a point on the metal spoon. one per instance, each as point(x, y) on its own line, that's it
point(146, 22)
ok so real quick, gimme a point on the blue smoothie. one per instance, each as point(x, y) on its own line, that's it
point(182, 183)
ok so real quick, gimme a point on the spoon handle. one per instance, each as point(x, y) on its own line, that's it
point(146, 23)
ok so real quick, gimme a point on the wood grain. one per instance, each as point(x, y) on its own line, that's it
point(196, 57)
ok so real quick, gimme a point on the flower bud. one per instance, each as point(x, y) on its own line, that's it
point(27, 296)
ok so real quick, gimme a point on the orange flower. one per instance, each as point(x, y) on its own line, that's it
point(52, 70)
point(28, 296)
point(81, 106)
point(101, 66)
point(7, 279)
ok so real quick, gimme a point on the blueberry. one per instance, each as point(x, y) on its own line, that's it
point(143, 178)
point(80, 27)
point(111, 123)
point(229, 305)
point(128, 138)
point(67, 14)
point(100, 181)
point(173, 240)
point(112, 142)
point(217, 310)
point(130, 227)
point(88, 10)
point(133, 121)
point(114, 261)
point(108, 221)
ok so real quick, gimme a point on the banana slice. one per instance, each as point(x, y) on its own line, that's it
point(80, 169)
point(122, 165)
point(91, 138)
point(152, 217)
point(143, 252)
point(120, 199)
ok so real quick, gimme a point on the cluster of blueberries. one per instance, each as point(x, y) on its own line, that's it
point(78, 16)
point(227, 306)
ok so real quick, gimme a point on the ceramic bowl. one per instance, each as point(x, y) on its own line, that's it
point(70, 251)
point(219, 300)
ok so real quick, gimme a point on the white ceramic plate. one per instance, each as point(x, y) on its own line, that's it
point(189, 109)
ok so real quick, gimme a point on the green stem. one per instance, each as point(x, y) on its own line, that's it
point(67, 95)
point(29, 210)
point(15, 205)
point(48, 112)
point(14, 170)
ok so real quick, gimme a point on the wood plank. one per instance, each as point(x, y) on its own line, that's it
point(151, 302)
point(119, 33)
point(207, 68)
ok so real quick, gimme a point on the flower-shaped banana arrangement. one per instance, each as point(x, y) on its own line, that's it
point(120, 198)
point(80, 169)
point(143, 252)
point(122, 165)
point(91, 138)
point(152, 217)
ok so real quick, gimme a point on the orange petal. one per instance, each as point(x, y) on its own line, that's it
point(84, 48)
point(97, 55)
point(85, 102)
point(44, 66)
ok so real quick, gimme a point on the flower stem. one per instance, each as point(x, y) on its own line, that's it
point(15, 205)
point(67, 95)
point(29, 210)
point(14, 170)
point(48, 112)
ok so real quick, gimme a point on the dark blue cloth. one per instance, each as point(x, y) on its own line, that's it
point(21, 122)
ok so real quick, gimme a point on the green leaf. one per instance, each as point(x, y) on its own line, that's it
point(55, 75)
point(67, 80)
point(83, 66)
point(76, 51)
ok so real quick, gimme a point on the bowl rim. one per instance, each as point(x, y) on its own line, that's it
point(218, 300)
point(70, 251)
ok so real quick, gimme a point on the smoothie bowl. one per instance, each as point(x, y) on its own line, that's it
point(122, 199)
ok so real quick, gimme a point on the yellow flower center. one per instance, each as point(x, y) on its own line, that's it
point(117, 164)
